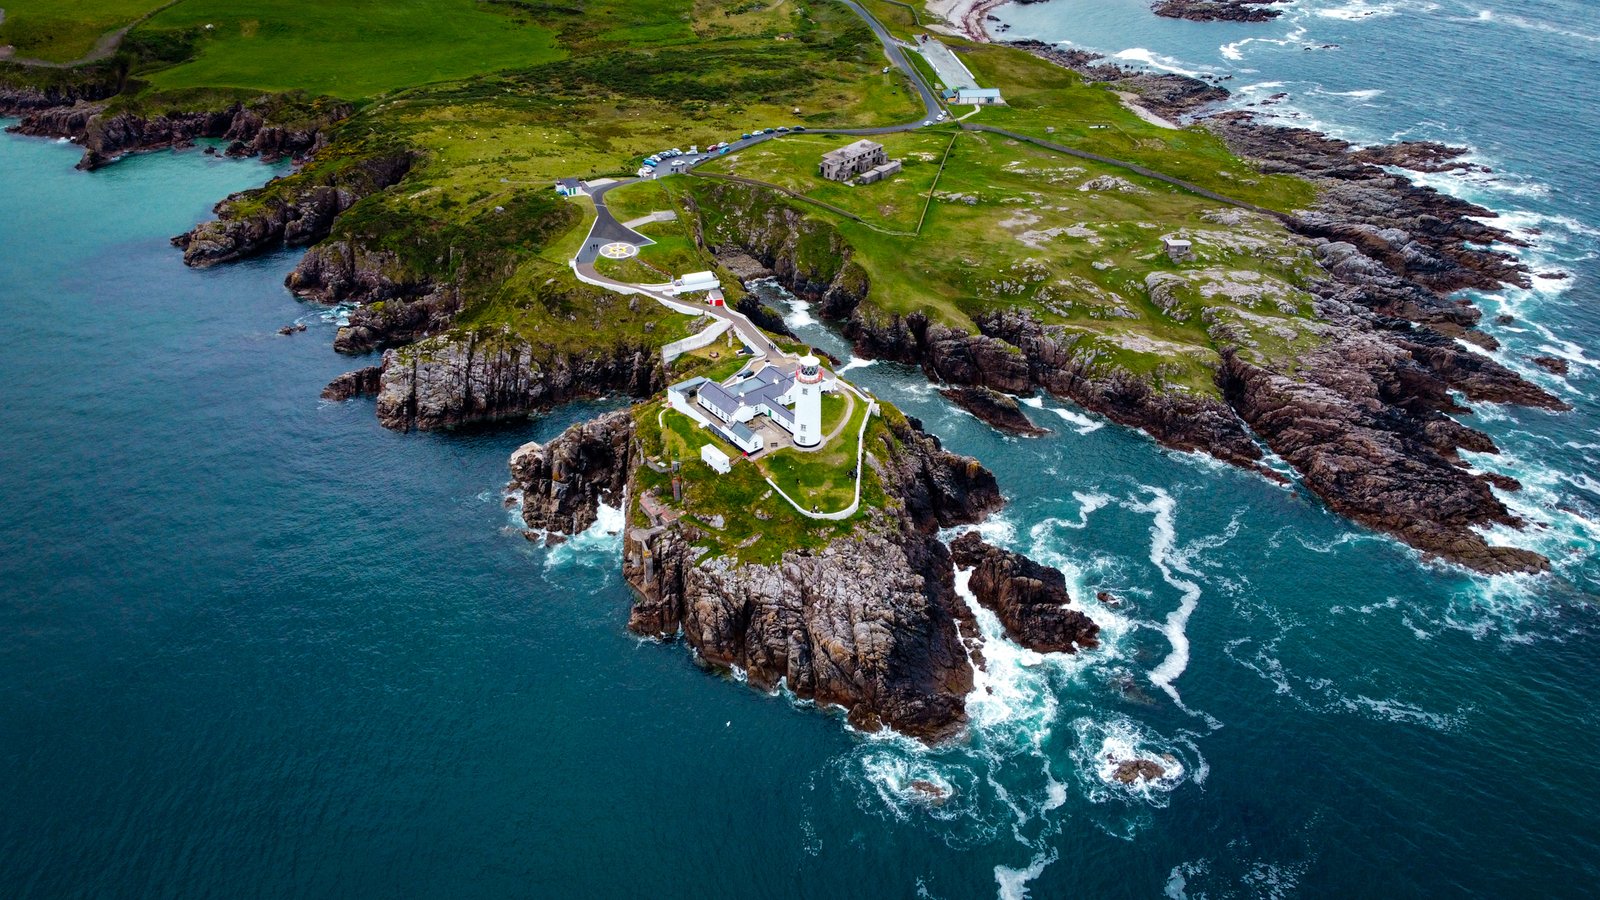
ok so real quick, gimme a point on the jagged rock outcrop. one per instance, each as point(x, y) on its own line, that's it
point(1417, 233)
point(935, 488)
point(22, 99)
point(1218, 10)
point(106, 137)
point(1030, 600)
point(994, 409)
point(288, 212)
point(1418, 156)
point(477, 377)
point(870, 622)
point(363, 382)
point(1361, 422)
point(564, 482)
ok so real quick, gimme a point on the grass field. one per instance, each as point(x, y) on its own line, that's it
point(820, 479)
point(1041, 95)
point(1076, 243)
point(350, 48)
point(756, 525)
point(64, 30)
point(893, 204)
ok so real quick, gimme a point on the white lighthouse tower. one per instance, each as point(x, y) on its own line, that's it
point(808, 402)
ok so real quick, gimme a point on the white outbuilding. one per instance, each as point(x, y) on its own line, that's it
point(716, 459)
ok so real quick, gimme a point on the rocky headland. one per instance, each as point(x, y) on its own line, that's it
point(870, 622)
point(1368, 420)
point(474, 377)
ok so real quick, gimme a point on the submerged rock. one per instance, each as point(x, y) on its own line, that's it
point(1551, 364)
point(1129, 771)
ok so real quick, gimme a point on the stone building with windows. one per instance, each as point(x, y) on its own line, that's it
point(851, 160)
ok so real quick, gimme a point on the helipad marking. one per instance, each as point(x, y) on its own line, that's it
point(619, 250)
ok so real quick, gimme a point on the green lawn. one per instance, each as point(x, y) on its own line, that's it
point(756, 524)
point(348, 48)
point(820, 479)
point(64, 30)
point(894, 204)
point(1046, 101)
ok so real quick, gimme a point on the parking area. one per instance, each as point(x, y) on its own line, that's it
point(951, 70)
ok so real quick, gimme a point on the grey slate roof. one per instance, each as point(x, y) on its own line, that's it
point(717, 397)
point(852, 150)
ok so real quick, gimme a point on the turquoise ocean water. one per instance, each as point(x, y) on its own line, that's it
point(252, 644)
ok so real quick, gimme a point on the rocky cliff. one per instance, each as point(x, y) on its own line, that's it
point(107, 134)
point(290, 212)
point(564, 482)
point(479, 377)
point(870, 623)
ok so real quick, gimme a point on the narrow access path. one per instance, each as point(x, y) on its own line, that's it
point(104, 47)
point(607, 229)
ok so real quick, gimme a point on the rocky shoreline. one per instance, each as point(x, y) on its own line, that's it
point(871, 623)
point(84, 117)
point(1218, 10)
point(1368, 423)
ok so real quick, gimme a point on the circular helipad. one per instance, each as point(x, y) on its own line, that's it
point(619, 250)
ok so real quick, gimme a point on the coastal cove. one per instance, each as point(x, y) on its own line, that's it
point(254, 642)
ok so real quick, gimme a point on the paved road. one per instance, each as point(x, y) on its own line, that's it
point(606, 229)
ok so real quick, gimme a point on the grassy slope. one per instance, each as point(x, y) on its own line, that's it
point(1041, 95)
point(63, 30)
point(757, 525)
point(819, 479)
point(1010, 226)
point(349, 48)
point(747, 504)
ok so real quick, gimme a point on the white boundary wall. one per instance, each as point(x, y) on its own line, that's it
point(695, 341)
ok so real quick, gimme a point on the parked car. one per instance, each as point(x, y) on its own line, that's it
point(799, 128)
point(784, 129)
point(745, 136)
point(768, 130)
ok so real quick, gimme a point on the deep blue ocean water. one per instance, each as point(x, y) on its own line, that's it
point(252, 644)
